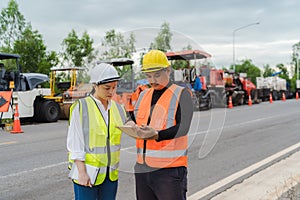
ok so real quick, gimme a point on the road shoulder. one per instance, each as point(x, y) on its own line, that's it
point(270, 183)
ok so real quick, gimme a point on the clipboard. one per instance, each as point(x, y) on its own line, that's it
point(129, 130)
point(91, 171)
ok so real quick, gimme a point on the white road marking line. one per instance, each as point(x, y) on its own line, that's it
point(7, 143)
point(204, 192)
point(33, 170)
point(46, 167)
point(239, 124)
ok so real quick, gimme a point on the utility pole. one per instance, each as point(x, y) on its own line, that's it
point(233, 40)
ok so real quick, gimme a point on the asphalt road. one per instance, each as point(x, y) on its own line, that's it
point(222, 141)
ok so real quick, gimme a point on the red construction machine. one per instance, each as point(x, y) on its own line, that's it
point(239, 87)
point(212, 92)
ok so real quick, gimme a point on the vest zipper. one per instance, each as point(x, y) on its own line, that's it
point(144, 151)
point(108, 145)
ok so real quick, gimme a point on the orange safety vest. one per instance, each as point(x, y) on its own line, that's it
point(166, 153)
point(135, 95)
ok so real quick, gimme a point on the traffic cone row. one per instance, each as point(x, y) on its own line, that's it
point(17, 124)
point(249, 101)
point(230, 102)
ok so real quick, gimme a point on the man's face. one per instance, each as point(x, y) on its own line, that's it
point(158, 79)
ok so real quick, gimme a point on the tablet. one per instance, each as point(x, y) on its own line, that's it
point(129, 130)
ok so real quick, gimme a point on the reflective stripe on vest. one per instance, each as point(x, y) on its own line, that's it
point(100, 151)
point(167, 153)
point(164, 154)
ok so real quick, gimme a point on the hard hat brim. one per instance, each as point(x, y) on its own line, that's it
point(108, 80)
point(153, 69)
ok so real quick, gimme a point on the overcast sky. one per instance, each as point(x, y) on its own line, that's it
point(204, 24)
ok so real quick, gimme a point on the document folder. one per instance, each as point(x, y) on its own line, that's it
point(129, 130)
point(91, 171)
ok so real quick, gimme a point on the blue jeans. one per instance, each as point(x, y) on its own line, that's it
point(106, 191)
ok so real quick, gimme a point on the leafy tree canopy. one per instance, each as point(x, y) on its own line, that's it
point(117, 46)
point(12, 25)
point(249, 68)
point(76, 49)
point(268, 71)
point(163, 39)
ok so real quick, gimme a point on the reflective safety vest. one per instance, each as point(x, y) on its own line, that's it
point(166, 153)
point(102, 143)
point(135, 95)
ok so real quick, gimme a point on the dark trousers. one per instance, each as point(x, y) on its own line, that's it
point(160, 184)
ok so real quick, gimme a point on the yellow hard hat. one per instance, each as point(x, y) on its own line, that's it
point(154, 60)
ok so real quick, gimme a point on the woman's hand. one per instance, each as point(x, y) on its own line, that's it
point(83, 177)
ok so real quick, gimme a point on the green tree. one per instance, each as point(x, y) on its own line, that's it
point(296, 63)
point(12, 25)
point(116, 46)
point(295, 56)
point(284, 72)
point(31, 48)
point(76, 50)
point(181, 64)
point(188, 47)
point(249, 68)
point(268, 71)
point(163, 39)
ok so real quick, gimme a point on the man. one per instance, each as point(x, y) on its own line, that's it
point(163, 114)
point(198, 84)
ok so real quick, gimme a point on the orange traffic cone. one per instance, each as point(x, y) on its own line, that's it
point(17, 124)
point(297, 96)
point(283, 97)
point(271, 98)
point(249, 101)
point(230, 102)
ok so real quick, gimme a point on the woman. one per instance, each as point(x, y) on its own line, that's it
point(93, 137)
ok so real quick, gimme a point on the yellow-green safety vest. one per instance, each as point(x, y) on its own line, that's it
point(102, 143)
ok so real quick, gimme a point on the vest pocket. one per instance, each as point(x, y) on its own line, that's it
point(116, 137)
point(99, 139)
point(141, 115)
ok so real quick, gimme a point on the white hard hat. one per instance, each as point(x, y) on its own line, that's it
point(104, 73)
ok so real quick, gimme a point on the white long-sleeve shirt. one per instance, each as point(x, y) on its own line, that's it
point(75, 140)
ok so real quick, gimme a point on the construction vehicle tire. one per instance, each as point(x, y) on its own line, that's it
point(275, 95)
point(218, 97)
point(38, 109)
point(46, 110)
point(50, 111)
point(65, 111)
